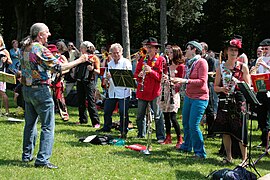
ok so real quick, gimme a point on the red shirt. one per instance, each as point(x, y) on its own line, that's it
point(151, 85)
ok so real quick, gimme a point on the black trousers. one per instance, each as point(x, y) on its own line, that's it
point(170, 117)
point(263, 115)
point(86, 91)
point(209, 111)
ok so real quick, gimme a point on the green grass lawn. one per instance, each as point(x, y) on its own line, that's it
point(78, 160)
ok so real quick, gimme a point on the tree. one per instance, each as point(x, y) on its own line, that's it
point(79, 22)
point(125, 28)
point(163, 24)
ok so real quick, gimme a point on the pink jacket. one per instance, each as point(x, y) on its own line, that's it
point(197, 87)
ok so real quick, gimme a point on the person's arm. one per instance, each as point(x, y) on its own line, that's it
point(218, 79)
point(64, 62)
point(156, 70)
point(246, 75)
point(6, 59)
point(95, 65)
point(138, 71)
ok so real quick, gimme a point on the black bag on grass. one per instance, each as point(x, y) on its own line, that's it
point(97, 139)
point(238, 173)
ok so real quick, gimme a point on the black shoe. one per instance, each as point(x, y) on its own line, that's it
point(49, 166)
point(103, 130)
point(28, 160)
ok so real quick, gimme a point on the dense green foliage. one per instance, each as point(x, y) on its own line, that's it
point(211, 21)
point(85, 161)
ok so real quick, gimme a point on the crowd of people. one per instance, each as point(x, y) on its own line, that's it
point(206, 85)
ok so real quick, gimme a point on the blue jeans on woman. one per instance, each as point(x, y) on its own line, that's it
point(158, 117)
point(192, 114)
point(38, 105)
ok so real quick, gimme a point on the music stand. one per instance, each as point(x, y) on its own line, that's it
point(123, 78)
point(250, 99)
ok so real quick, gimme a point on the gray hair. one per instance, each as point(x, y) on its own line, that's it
point(116, 46)
point(34, 30)
point(89, 46)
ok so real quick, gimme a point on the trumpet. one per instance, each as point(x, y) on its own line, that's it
point(142, 52)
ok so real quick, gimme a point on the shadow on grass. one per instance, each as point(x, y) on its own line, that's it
point(6, 162)
point(188, 175)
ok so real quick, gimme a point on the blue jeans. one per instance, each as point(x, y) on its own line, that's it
point(38, 103)
point(192, 113)
point(158, 117)
point(109, 106)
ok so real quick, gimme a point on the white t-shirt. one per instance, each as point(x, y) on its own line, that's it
point(262, 69)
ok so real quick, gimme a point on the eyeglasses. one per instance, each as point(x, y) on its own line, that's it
point(264, 48)
point(70, 45)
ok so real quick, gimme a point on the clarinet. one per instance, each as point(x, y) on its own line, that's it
point(163, 82)
point(169, 77)
point(143, 76)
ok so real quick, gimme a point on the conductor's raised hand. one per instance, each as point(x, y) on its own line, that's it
point(84, 58)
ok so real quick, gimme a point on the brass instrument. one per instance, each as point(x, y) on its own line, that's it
point(254, 69)
point(142, 52)
point(149, 119)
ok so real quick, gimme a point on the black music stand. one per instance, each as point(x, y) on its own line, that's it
point(250, 99)
point(123, 78)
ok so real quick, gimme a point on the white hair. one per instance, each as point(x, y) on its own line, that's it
point(116, 46)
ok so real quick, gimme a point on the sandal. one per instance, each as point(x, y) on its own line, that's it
point(226, 161)
point(243, 164)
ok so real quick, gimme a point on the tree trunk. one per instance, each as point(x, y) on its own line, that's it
point(79, 22)
point(21, 18)
point(125, 29)
point(163, 24)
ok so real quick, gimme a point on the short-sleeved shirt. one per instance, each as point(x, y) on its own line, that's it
point(36, 65)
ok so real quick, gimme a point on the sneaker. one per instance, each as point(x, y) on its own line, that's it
point(160, 141)
point(97, 126)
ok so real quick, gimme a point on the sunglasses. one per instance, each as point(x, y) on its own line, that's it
point(264, 48)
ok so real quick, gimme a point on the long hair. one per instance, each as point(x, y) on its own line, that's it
point(177, 55)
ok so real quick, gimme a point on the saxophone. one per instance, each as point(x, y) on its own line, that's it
point(254, 69)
